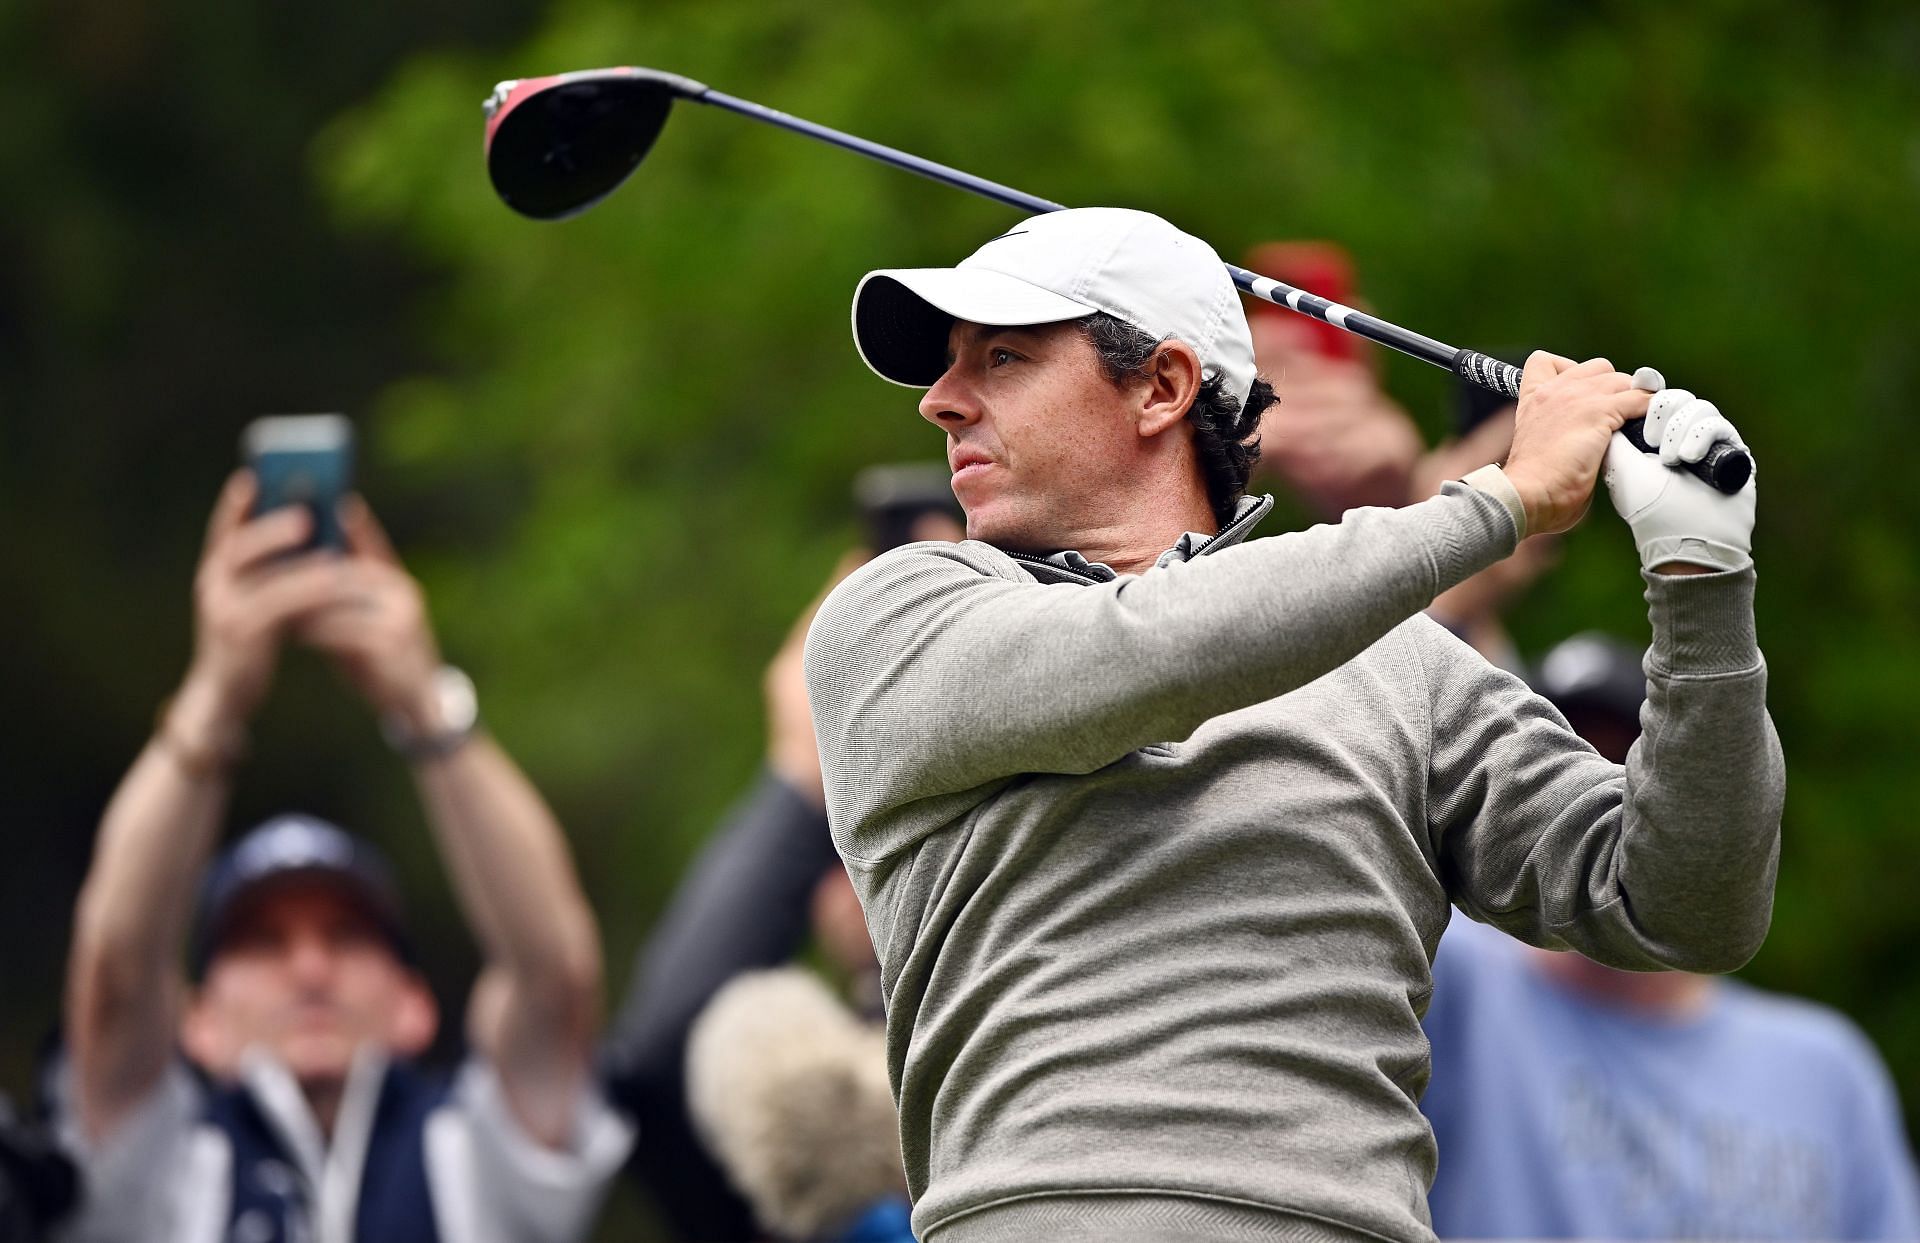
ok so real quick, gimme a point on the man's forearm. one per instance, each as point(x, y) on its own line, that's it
point(511, 868)
point(742, 904)
point(1667, 863)
point(1706, 781)
point(515, 880)
point(133, 911)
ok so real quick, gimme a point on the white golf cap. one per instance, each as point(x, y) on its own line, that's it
point(1059, 266)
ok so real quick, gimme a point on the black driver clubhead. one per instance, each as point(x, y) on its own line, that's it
point(558, 145)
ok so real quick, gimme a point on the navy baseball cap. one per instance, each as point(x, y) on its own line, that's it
point(289, 846)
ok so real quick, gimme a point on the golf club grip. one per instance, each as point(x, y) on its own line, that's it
point(1489, 373)
point(1726, 466)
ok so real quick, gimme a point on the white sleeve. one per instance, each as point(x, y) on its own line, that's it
point(494, 1183)
point(152, 1178)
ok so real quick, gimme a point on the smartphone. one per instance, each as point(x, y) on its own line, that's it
point(1322, 268)
point(892, 498)
point(302, 459)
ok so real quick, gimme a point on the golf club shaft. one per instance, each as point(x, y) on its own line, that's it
point(1718, 468)
point(1487, 372)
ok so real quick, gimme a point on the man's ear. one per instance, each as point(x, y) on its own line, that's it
point(1172, 385)
point(416, 1019)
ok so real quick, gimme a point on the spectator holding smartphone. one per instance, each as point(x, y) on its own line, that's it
point(296, 1111)
point(1337, 441)
point(763, 1099)
point(1334, 438)
point(1475, 610)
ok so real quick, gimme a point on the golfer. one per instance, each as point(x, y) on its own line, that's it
point(1157, 832)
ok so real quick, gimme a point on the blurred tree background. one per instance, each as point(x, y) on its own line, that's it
point(617, 449)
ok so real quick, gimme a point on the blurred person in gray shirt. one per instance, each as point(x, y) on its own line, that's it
point(1571, 1100)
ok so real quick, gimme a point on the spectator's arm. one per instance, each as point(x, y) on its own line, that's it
point(123, 982)
point(1334, 438)
point(538, 999)
point(539, 992)
point(743, 904)
point(491, 1181)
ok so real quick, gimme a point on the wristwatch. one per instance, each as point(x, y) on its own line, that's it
point(456, 711)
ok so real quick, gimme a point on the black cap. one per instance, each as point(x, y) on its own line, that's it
point(1593, 672)
point(287, 846)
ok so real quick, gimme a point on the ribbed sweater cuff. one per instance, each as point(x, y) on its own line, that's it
point(1494, 482)
point(1702, 623)
point(1482, 534)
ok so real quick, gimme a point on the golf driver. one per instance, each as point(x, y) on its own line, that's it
point(557, 145)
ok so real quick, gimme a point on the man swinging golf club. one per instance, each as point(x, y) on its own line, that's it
point(1156, 831)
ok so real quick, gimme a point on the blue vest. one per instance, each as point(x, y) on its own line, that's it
point(269, 1198)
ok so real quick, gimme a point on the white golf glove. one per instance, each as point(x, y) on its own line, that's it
point(1675, 516)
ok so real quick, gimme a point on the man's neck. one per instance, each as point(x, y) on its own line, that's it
point(1135, 545)
point(1673, 996)
point(323, 1099)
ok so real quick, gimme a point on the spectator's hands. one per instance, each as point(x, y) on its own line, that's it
point(1333, 437)
point(792, 751)
point(1455, 458)
point(1680, 523)
point(374, 626)
point(247, 595)
point(1473, 607)
point(1568, 414)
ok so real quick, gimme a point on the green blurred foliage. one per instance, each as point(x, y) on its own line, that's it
point(617, 448)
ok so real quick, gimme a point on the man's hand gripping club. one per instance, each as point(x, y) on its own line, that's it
point(1568, 426)
point(1678, 520)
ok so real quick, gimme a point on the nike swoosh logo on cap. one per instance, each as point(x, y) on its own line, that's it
point(1009, 233)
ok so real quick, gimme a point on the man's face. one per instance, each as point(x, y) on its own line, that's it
point(1038, 438)
point(305, 972)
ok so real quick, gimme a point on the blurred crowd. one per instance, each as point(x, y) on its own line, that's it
point(277, 1090)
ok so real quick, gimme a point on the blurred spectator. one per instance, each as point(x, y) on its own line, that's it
point(1571, 1100)
point(1335, 439)
point(300, 1114)
point(767, 881)
point(1473, 609)
point(1338, 442)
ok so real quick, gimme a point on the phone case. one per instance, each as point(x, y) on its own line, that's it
point(303, 460)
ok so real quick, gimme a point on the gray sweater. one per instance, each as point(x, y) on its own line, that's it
point(1156, 865)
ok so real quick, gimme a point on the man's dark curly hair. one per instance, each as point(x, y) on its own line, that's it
point(1226, 436)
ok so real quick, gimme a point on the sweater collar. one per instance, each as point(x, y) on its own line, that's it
point(1071, 566)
